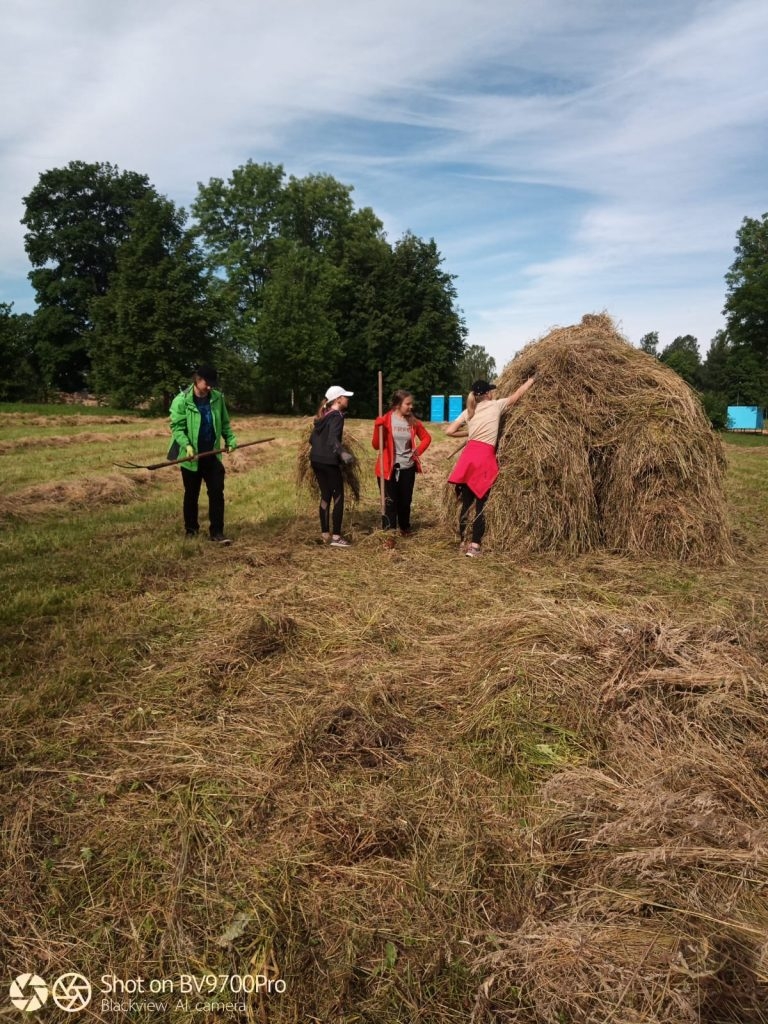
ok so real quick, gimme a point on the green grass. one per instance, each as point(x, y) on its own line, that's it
point(744, 440)
point(61, 409)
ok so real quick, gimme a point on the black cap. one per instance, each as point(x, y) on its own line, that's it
point(481, 387)
point(209, 375)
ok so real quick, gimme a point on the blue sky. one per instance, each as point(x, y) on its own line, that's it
point(567, 157)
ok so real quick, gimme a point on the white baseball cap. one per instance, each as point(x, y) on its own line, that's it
point(336, 392)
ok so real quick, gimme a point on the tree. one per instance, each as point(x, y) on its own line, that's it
point(239, 224)
point(296, 334)
point(76, 218)
point(155, 322)
point(300, 271)
point(682, 356)
point(317, 211)
point(649, 343)
point(746, 306)
point(736, 373)
point(475, 364)
point(417, 333)
point(21, 380)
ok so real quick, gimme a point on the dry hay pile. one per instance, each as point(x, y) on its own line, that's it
point(85, 492)
point(648, 889)
point(610, 449)
point(305, 477)
point(64, 440)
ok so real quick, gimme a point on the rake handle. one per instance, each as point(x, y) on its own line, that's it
point(200, 455)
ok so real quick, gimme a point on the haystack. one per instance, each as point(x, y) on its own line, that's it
point(610, 449)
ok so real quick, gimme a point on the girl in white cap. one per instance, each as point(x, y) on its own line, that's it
point(326, 457)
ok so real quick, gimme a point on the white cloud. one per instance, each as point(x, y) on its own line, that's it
point(565, 157)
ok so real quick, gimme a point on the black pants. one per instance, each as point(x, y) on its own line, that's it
point(211, 470)
point(468, 497)
point(398, 495)
point(331, 484)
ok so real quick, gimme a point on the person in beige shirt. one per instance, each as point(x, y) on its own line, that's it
point(476, 470)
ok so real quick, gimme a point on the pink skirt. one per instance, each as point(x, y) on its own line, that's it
point(477, 468)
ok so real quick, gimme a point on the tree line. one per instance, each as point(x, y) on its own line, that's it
point(286, 286)
point(735, 369)
point(280, 281)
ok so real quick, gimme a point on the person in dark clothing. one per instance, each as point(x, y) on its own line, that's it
point(326, 457)
point(199, 421)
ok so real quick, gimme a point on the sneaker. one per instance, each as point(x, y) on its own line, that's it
point(219, 538)
point(192, 534)
point(473, 552)
point(406, 533)
point(339, 542)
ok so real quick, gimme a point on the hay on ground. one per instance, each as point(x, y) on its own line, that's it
point(83, 493)
point(610, 449)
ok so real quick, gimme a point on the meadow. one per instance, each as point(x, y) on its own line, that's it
point(386, 785)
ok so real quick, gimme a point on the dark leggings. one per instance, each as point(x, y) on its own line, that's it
point(468, 496)
point(211, 471)
point(398, 495)
point(331, 484)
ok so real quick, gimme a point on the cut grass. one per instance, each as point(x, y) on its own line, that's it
point(411, 783)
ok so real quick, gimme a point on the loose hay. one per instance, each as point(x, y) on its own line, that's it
point(305, 477)
point(611, 449)
point(648, 899)
point(42, 499)
point(259, 637)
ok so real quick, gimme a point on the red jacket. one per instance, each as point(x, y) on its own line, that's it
point(418, 430)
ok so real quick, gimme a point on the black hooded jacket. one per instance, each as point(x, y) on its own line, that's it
point(325, 440)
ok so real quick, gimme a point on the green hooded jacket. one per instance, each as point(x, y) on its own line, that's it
point(185, 424)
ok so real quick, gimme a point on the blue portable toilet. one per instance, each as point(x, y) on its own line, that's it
point(437, 409)
point(455, 406)
point(745, 417)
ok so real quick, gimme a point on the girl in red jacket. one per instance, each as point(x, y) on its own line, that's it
point(405, 439)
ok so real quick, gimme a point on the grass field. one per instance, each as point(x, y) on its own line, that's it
point(388, 785)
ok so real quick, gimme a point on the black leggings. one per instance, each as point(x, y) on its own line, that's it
point(468, 496)
point(331, 484)
point(398, 495)
point(211, 471)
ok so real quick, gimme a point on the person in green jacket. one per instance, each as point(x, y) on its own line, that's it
point(199, 421)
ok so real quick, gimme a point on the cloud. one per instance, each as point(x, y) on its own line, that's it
point(565, 157)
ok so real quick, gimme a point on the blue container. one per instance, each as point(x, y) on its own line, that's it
point(455, 406)
point(745, 417)
point(437, 409)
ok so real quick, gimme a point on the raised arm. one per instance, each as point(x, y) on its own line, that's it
point(520, 391)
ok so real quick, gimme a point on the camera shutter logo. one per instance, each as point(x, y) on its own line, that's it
point(28, 992)
point(71, 992)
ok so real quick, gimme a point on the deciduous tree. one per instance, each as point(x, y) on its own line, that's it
point(476, 364)
point(21, 379)
point(155, 322)
point(650, 342)
point(682, 355)
point(746, 306)
point(299, 270)
point(76, 218)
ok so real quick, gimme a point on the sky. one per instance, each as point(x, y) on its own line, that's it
point(567, 157)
